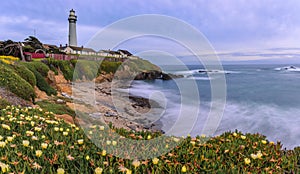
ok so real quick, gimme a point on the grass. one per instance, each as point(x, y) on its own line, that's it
point(34, 141)
point(59, 109)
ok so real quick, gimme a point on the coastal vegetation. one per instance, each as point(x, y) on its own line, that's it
point(21, 77)
point(63, 147)
point(34, 140)
point(11, 80)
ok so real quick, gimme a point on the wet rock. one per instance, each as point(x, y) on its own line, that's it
point(60, 101)
point(148, 75)
point(110, 114)
point(66, 95)
point(95, 115)
point(152, 75)
point(132, 127)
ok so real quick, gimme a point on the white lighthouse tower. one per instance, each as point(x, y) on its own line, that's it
point(72, 28)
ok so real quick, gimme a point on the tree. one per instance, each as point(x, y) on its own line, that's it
point(11, 48)
point(34, 43)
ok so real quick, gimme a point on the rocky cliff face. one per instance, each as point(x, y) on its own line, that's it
point(59, 82)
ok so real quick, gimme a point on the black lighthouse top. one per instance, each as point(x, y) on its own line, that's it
point(72, 16)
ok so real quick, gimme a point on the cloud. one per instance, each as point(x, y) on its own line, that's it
point(263, 54)
point(229, 25)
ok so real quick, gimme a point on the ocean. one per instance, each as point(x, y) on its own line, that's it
point(261, 99)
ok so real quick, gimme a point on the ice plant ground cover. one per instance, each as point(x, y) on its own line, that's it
point(34, 141)
point(8, 59)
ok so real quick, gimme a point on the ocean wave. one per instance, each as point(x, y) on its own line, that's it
point(275, 122)
point(199, 78)
point(288, 68)
point(204, 71)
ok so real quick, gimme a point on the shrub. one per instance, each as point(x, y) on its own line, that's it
point(141, 65)
point(41, 83)
point(25, 73)
point(109, 67)
point(50, 63)
point(41, 68)
point(65, 67)
point(14, 83)
point(88, 69)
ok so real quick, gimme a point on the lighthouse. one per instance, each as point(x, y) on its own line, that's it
point(72, 28)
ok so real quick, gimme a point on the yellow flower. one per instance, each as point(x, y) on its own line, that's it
point(155, 160)
point(176, 139)
point(34, 138)
point(247, 161)
point(253, 156)
point(167, 146)
point(2, 144)
point(98, 170)
point(193, 143)
point(4, 167)
point(65, 133)
point(203, 135)
point(32, 123)
point(149, 137)
point(87, 157)
point(60, 171)
point(101, 128)
point(26, 143)
point(38, 153)
point(43, 136)
point(103, 152)
point(259, 155)
point(108, 142)
point(90, 132)
point(44, 145)
point(10, 139)
point(128, 171)
point(5, 126)
point(1, 138)
point(264, 141)
point(272, 142)
point(183, 169)
point(114, 143)
point(61, 129)
point(136, 163)
point(93, 126)
point(80, 141)
point(243, 137)
point(29, 133)
point(37, 129)
point(234, 134)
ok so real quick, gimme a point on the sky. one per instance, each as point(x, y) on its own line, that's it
point(238, 30)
